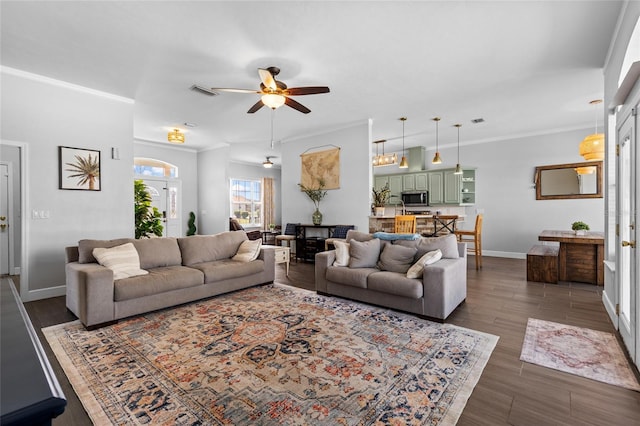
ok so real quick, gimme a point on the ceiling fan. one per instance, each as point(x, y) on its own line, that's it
point(274, 93)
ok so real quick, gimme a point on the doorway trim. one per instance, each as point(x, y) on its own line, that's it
point(11, 267)
point(24, 208)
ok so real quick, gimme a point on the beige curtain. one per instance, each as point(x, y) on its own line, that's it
point(268, 205)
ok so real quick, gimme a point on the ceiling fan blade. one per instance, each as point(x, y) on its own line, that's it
point(297, 105)
point(267, 79)
point(255, 107)
point(311, 90)
point(217, 89)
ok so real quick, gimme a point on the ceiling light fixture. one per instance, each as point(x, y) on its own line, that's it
point(384, 159)
point(176, 136)
point(458, 168)
point(273, 100)
point(404, 164)
point(267, 164)
point(436, 158)
point(592, 147)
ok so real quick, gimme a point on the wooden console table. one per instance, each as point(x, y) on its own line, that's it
point(308, 245)
point(581, 257)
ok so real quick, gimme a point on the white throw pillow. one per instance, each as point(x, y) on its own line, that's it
point(342, 253)
point(122, 260)
point(248, 251)
point(427, 259)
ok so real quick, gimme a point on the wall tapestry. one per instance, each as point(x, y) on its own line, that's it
point(319, 165)
point(79, 168)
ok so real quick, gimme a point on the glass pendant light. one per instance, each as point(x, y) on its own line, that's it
point(436, 158)
point(404, 164)
point(458, 168)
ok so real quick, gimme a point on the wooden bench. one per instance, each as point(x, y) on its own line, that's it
point(542, 264)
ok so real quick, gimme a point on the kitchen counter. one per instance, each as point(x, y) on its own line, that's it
point(424, 223)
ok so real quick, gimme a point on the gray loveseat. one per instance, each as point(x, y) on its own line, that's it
point(180, 270)
point(442, 287)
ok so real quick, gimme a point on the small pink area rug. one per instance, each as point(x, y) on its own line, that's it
point(588, 353)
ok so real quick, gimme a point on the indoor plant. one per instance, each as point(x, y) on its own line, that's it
point(316, 195)
point(579, 227)
point(380, 198)
point(148, 220)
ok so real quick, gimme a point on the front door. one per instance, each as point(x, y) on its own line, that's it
point(165, 196)
point(626, 240)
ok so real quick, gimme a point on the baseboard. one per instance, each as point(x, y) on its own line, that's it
point(508, 254)
point(611, 309)
point(45, 293)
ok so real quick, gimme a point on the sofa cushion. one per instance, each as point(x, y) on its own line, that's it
point(355, 277)
point(395, 258)
point(206, 248)
point(429, 258)
point(396, 284)
point(225, 269)
point(342, 253)
point(352, 234)
point(123, 260)
point(364, 254)
point(158, 252)
point(85, 248)
point(248, 251)
point(159, 280)
point(448, 245)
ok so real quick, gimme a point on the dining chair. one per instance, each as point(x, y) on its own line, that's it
point(474, 237)
point(444, 224)
point(405, 224)
point(288, 237)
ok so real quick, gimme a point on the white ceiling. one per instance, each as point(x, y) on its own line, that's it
point(526, 67)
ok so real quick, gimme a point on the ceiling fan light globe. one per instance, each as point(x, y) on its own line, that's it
point(267, 164)
point(273, 100)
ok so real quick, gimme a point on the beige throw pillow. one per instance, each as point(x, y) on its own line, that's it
point(248, 251)
point(427, 259)
point(122, 260)
point(342, 253)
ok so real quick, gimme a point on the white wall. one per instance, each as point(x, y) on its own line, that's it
point(44, 114)
point(213, 191)
point(187, 162)
point(349, 205)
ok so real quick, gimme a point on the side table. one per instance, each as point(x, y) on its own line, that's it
point(283, 255)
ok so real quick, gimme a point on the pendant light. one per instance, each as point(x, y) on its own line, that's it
point(592, 147)
point(404, 164)
point(436, 158)
point(458, 168)
point(384, 159)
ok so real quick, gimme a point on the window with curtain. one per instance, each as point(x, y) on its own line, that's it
point(246, 201)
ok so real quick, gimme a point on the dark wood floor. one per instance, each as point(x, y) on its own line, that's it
point(510, 392)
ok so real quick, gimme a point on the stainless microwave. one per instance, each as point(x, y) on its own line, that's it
point(415, 198)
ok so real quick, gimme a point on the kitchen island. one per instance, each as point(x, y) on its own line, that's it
point(425, 224)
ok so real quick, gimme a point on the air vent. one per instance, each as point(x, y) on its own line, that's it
point(477, 120)
point(204, 90)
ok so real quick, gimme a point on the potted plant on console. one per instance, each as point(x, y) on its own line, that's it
point(580, 228)
point(380, 198)
point(315, 195)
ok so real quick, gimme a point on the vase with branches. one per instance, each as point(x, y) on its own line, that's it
point(316, 195)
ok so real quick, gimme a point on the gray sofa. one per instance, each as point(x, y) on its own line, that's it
point(180, 270)
point(442, 287)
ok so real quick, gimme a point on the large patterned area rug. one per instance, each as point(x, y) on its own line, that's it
point(272, 355)
point(580, 351)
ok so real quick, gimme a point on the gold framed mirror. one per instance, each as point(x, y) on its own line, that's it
point(569, 181)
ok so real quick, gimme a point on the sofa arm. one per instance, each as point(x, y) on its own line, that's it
point(445, 286)
point(324, 259)
point(90, 292)
point(268, 255)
